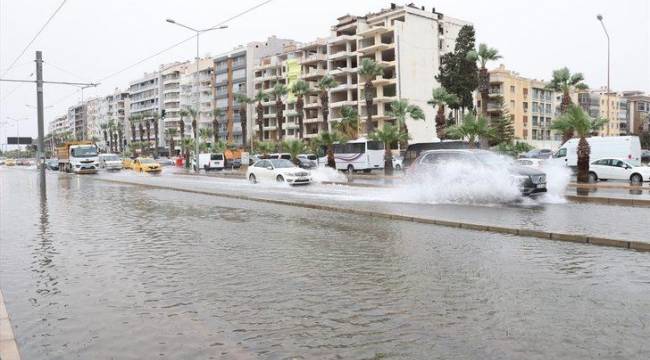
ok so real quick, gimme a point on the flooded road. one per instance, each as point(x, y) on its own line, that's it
point(99, 270)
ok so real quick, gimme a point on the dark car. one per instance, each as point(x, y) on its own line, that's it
point(414, 150)
point(530, 181)
point(645, 156)
point(539, 154)
point(52, 164)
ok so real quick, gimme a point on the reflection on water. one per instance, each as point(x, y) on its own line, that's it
point(95, 270)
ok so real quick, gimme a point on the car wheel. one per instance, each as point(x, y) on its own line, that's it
point(397, 167)
point(252, 179)
point(350, 169)
point(279, 178)
point(593, 177)
point(206, 168)
point(636, 179)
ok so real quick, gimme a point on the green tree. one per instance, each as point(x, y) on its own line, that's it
point(265, 148)
point(187, 144)
point(328, 139)
point(300, 89)
point(171, 134)
point(457, 73)
point(473, 128)
point(260, 97)
point(483, 55)
point(324, 85)
point(243, 102)
point(439, 98)
point(279, 91)
point(369, 70)
point(104, 128)
point(400, 110)
point(576, 119)
point(349, 124)
point(133, 120)
point(294, 147)
point(216, 114)
point(388, 135)
point(565, 82)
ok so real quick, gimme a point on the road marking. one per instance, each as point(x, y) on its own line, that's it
point(581, 238)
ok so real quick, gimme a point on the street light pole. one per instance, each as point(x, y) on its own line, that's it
point(600, 18)
point(198, 95)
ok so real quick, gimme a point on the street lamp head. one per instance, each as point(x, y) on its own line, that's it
point(599, 17)
point(171, 21)
point(223, 27)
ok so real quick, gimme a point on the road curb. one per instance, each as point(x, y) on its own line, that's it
point(8, 346)
point(578, 238)
point(608, 200)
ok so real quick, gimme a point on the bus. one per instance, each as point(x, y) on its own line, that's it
point(358, 155)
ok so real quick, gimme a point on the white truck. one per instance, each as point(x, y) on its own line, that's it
point(618, 147)
point(78, 156)
point(210, 161)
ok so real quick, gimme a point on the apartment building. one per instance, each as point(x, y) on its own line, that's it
point(58, 125)
point(638, 111)
point(114, 108)
point(595, 103)
point(76, 119)
point(144, 99)
point(198, 86)
point(407, 41)
point(170, 93)
point(527, 101)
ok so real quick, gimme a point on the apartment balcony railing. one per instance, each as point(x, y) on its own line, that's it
point(313, 73)
point(372, 31)
point(313, 58)
point(343, 38)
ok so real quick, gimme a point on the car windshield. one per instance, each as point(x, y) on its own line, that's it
point(85, 151)
point(111, 158)
point(147, 161)
point(281, 163)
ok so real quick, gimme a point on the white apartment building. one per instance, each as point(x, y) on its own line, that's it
point(191, 91)
point(407, 41)
point(170, 90)
point(144, 100)
point(59, 124)
point(114, 107)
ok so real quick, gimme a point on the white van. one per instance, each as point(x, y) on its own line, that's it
point(211, 161)
point(619, 147)
point(110, 162)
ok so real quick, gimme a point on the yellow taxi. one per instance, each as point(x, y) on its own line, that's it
point(10, 162)
point(146, 165)
point(127, 163)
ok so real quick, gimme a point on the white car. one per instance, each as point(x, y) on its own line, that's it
point(618, 169)
point(279, 170)
point(398, 163)
point(110, 162)
point(530, 162)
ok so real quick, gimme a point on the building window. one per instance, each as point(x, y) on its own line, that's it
point(525, 120)
point(525, 92)
point(525, 107)
point(512, 105)
point(512, 89)
point(534, 121)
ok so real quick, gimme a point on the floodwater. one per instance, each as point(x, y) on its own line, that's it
point(95, 270)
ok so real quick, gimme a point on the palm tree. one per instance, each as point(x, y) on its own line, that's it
point(187, 144)
point(133, 120)
point(388, 135)
point(141, 128)
point(439, 98)
point(181, 124)
point(279, 90)
point(369, 70)
point(120, 137)
point(111, 135)
point(576, 119)
point(565, 82)
point(193, 114)
point(328, 139)
point(243, 101)
point(104, 128)
point(483, 55)
point(300, 88)
point(171, 133)
point(205, 134)
point(264, 148)
point(216, 114)
point(260, 97)
point(349, 124)
point(155, 121)
point(400, 109)
point(473, 127)
point(294, 147)
point(324, 85)
point(147, 124)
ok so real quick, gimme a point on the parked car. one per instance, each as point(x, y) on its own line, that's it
point(146, 165)
point(535, 163)
point(10, 162)
point(618, 169)
point(530, 181)
point(280, 170)
point(398, 163)
point(285, 156)
point(307, 161)
point(163, 161)
point(110, 162)
point(539, 154)
point(52, 164)
point(645, 156)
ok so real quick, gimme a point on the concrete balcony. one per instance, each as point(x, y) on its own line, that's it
point(314, 74)
point(342, 55)
point(344, 87)
point(375, 48)
point(313, 105)
point(382, 81)
point(313, 58)
point(345, 70)
point(386, 64)
point(338, 104)
point(372, 31)
point(384, 99)
point(342, 39)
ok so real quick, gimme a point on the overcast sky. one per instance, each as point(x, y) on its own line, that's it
point(90, 39)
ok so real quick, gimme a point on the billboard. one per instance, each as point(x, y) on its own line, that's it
point(13, 140)
point(293, 72)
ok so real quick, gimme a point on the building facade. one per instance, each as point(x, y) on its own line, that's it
point(531, 106)
point(59, 125)
point(144, 104)
point(595, 103)
point(638, 111)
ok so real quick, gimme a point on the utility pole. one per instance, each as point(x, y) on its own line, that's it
point(40, 158)
point(600, 18)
